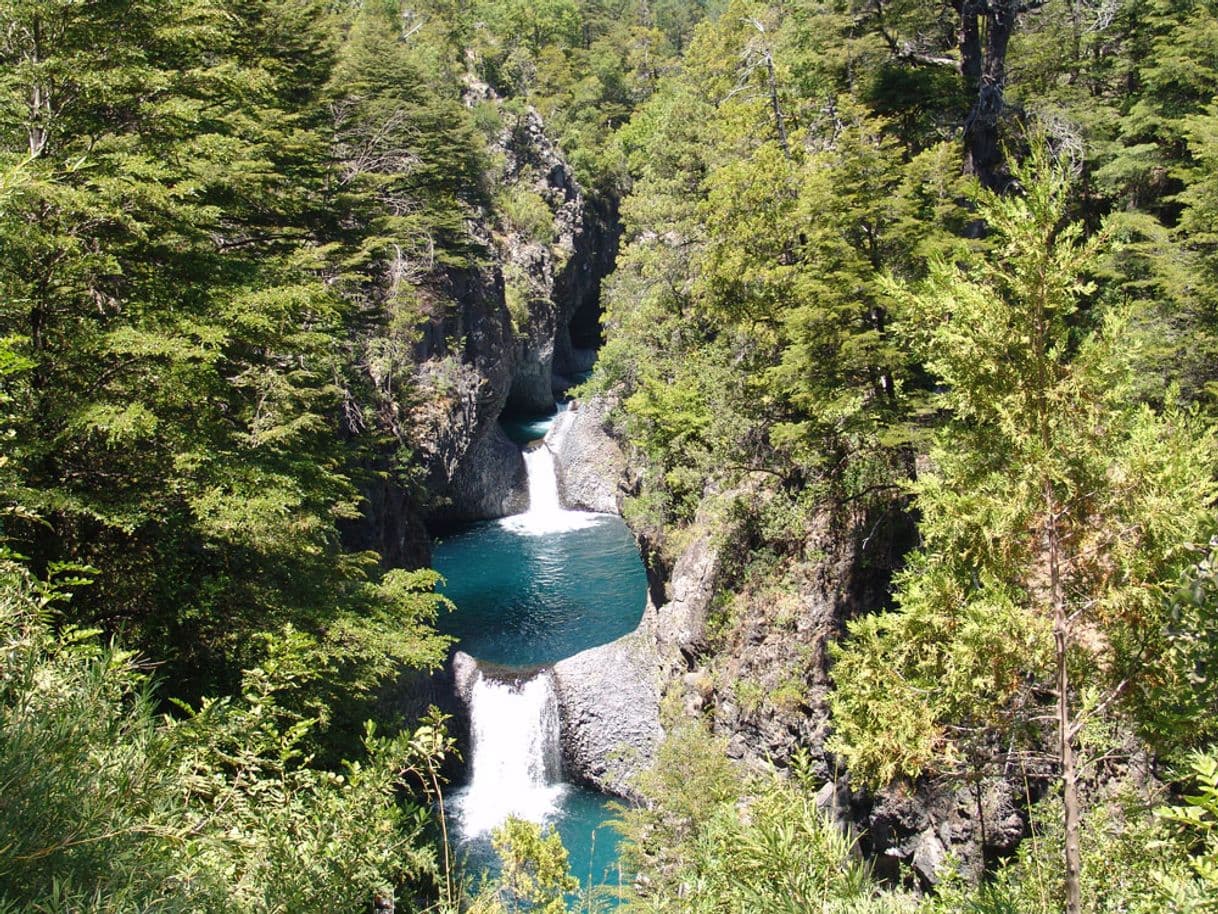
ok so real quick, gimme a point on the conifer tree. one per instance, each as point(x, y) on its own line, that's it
point(1055, 525)
point(162, 278)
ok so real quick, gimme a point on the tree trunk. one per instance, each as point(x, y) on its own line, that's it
point(1065, 723)
point(982, 147)
point(779, 124)
point(969, 39)
point(40, 95)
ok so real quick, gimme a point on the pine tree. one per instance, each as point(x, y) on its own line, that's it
point(1056, 523)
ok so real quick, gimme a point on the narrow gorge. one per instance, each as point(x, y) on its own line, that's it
point(535, 592)
point(661, 456)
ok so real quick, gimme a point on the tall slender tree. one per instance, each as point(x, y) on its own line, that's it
point(1056, 522)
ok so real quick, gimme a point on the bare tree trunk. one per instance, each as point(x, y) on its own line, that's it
point(40, 96)
point(763, 53)
point(982, 149)
point(779, 123)
point(1065, 732)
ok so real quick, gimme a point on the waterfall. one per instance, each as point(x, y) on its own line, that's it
point(517, 757)
point(546, 513)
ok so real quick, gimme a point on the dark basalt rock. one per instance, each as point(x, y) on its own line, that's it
point(921, 826)
point(491, 480)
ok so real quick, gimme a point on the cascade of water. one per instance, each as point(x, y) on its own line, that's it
point(517, 756)
point(546, 513)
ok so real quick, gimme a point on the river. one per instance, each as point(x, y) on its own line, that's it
point(531, 590)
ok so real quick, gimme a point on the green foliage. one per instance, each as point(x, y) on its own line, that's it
point(527, 212)
point(584, 64)
point(1039, 395)
point(691, 777)
point(177, 325)
point(1194, 824)
point(725, 842)
point(536, 875)
point(108, 807)
point(709, 840)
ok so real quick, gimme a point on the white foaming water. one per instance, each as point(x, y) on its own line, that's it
point(546, 513)
point(516, 759)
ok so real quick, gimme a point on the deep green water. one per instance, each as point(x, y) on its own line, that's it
point(526, 600)
point(531, 591)
point(526, 429)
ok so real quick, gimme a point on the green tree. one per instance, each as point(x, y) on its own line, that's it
point(536, 875)
point(164, 279)
point(1055, 525)
point(110, 807)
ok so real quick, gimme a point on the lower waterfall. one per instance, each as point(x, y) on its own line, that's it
point(532, 590)
point(516, 759)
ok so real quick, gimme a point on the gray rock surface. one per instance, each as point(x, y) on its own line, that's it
point(491, 481)
point(559, 279)
point(681, 621)
point(464, 674)
point(776, 646)
point(609, 697)
point(590, 464)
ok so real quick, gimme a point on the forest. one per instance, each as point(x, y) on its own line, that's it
point(906, 311)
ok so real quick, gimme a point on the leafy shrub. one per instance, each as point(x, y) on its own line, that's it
point(107, 806)
point(527, 212)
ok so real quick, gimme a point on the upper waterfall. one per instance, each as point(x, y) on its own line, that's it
point(546, 513)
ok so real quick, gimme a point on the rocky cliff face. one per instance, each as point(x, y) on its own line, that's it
point(498, 337)
point(752, 660)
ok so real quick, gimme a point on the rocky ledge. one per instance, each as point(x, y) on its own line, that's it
point(591, 465)
point(609, 699)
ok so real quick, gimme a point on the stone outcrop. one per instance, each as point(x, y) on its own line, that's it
point(922, 828)
point(590, 464)
point(391, 523)
point(491, 481)
point(439, 387)
point(509, 355)
point(772, 671)
point(681, 621)
point(473, 470)
point(609, 697)
point(413, 693)
point(464, 672)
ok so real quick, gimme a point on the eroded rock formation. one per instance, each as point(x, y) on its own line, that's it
point(591, 465)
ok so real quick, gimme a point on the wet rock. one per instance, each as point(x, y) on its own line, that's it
point(412, 693)
point(391, 524)
point(590, 464)
point(471, 356)
point(609, 698)
point(464, 675)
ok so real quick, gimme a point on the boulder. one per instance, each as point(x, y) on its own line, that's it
point(590, 464)
point(609, 699)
